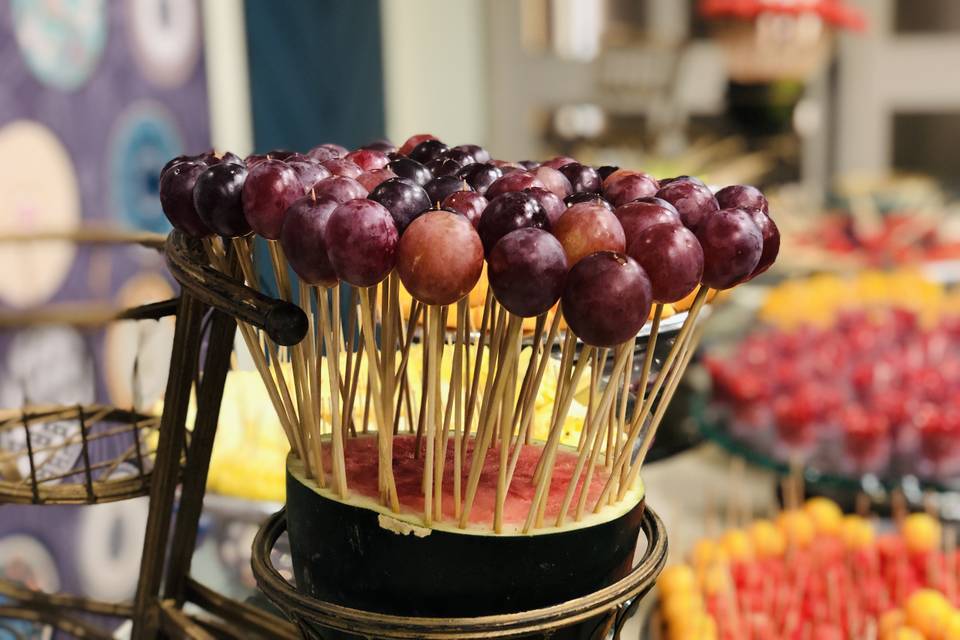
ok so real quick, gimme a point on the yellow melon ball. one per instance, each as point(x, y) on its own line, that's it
point(826, 515)
point(768, 541)
point(716, 580)
point(700, 626)
point(680, 606)
point(890, 622)
point(921, 533)
point(679, 578)
point(952, 629)
point(927, 611)
point(857, 532)
point(906, 633)
point(797, 527)
point(737, 545)
point(707, 552)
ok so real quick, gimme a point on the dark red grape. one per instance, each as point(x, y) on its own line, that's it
point(340, 188)
point(370, 179)
point(176, 197)
point(605, 171)
point(606, 299)
point(175, 161)
point(586, 228)
point(629, 187)
point(558, 161)
point(383, 145)
point(527, 270)
point(554, 181)
point(443, 166)
point(514, 181)
point(217, 197)
point(742, 196)
point(692, 199)
point(280, 154)
point(254, 158)
point(529, 165)
point(304, 239)
point(509, 212)
point(404, 199)
point(771, 240)
point(636, 216)
point(506, 166)
point(552, 205)
point(362, 242)
point(271, 187)
point(413, 141)
point(309, 171)
point(231, 158)
point(480, 176)
point(440, 257)
point(581, 177)
point(469, 204)
point(338, 150)
point(342, 167)
point(368, 159)
point(439, 188)
point(672, 258)
point(411, 170)
point(586, 196)
point(427, 150)
point(732, 246)
point(478, 153)
point(461, 156)
point(324, 152)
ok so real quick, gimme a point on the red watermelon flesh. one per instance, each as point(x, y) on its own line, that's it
point(361, 468)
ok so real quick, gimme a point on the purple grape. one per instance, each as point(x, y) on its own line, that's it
point(671, 256)
point(404, 199)
point(324, 152)
point(552, 205)
point(280, 154)
point(606, 299)
point(362, 242)
point(176, 197)
point(586, 228)
point(218, 199)
point(372, 179)
point(586, 196)
point(527, 270)
point(742, 196)
point(411, 143)
point(368, 159)
point(771, 241)
point(427, 150)
point(231, 158)
point(443, 166)
point(692, 199)
point(732, 246)
point(382, 145)
point(340, 188)
point(507, 167)
point(309, 171)
point(439, 188)
point(605, 171)
point(581, 177)
point(207, 158)
point(271, 187)
point(636, 216)
point(304, 239)
point(342, 167)
point(480, 176)
point(514, 181)
point(554, 181)
point(411, 170)
point(478, 153)
point(469, 204)
point(254, 158)
point(509, 212)
point(558, 161)
point(529, 165)
point(460, 156)
point(628, 187)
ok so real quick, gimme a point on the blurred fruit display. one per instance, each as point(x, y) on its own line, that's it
point(850, 376)
point(813, 572)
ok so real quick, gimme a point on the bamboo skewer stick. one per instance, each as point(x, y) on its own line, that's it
point(566, 365)
point(314, 380)
point(648, 360)
point(459, 370)
point(619, 426)
point(484, 335)
point(485, 430)
point(592, 430)
point(332, 341)
point(641, 416)
point(428, 401)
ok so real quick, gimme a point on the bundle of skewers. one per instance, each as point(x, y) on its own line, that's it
point(447, 447)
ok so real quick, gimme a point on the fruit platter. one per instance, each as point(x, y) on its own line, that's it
point(440, 440)
point(859, 378)
point(811, 571)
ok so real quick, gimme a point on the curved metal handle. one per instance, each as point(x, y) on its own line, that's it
point(284, 322)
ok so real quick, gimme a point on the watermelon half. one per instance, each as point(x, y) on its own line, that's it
point(358, 553)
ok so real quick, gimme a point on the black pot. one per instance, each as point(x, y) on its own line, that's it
point(364, 558)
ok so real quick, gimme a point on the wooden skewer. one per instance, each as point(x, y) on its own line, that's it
point(455, 399)
point(506, 423)
point(314, 381)
point(487, 336)
point(648, 360)
point(485, 431)
point(328, 326)
point(624, 455)
point(567, 353)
